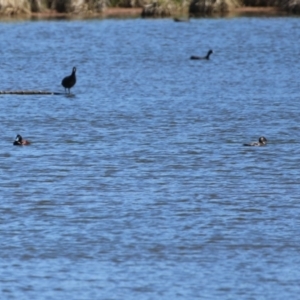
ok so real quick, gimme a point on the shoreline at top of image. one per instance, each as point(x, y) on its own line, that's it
point(72, 9)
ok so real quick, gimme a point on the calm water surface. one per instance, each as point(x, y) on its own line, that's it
point(137, 186)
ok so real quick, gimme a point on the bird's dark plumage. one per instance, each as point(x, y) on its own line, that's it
point(69, 81)
point(181, 20)
point(19, 141)
point(200, 57)
point(262, 141)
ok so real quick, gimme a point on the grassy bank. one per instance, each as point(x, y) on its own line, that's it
point(146, 8)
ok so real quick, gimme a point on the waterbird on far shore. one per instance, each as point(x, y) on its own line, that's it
point(69, 81)
point(182, 19)
point(262, 141)
point(202, 57)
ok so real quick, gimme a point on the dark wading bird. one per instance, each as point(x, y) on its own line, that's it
point(202, 57)
point(262, 141)
point(69, 81)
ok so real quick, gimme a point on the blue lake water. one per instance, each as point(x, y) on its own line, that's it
point(138, 186)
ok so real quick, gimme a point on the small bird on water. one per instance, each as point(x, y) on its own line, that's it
point(262, 141)
point(69, 81)
point(19, 141)
point(204, 57)
point(182, 20)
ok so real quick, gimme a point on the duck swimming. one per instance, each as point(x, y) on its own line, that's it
point(69, 81)
point(181, 20)
point(262, 141)
point(204, 57)
point(20, 142)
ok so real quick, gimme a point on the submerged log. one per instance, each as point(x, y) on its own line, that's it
point(29, 93)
